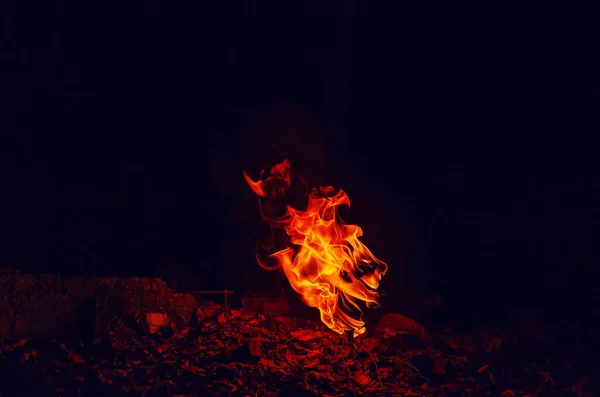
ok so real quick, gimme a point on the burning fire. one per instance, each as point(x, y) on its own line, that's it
point(323, 259)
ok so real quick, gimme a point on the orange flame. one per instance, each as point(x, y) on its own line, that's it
point(324, 260)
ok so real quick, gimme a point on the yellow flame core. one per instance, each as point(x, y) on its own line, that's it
point(326, 263)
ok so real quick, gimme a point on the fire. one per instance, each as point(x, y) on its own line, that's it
point(323, 259)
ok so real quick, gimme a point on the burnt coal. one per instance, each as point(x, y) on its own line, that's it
point(234, 352)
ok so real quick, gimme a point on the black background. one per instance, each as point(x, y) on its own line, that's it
point(464, 138)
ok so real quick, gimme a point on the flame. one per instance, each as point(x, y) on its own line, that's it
point(323, 260)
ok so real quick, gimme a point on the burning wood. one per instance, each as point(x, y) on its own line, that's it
point(323, 259)
point(247, 354)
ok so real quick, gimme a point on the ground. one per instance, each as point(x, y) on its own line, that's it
point(237, 354)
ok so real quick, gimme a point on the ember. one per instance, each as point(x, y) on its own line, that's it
point(323, 260)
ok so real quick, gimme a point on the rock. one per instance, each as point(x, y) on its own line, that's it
point(156, 321)
point(199, 314)
point(182, 307)
point(122, 328)
point(255, 347)
point(367, 344)
point(20, 326)
point(253, 305)
point(177, 278)
point(72, 286)
point(222, 319)
point(7, 316)
point(49, 305)
point(305, 335)
point(235, 313)
point(285, 322)
point(23, 283)
point(205, 313)
point(49, 281)
point(281, 323)
point(108, 307)
point(153, 292)
point(250, 331)
point(492, 340)
point(129, 292)
point(277, 308)
point(439, 365)
point(393, 324)
point(271, 305)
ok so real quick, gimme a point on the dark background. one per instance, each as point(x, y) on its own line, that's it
point(464, 138)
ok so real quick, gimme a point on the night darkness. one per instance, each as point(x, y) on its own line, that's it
point(463, 138)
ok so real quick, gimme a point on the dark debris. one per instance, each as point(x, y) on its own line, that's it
point(235, 354)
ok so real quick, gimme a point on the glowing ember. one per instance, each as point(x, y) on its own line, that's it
point(323, 259)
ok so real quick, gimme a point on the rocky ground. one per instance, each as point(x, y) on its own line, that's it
point(237, 354)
